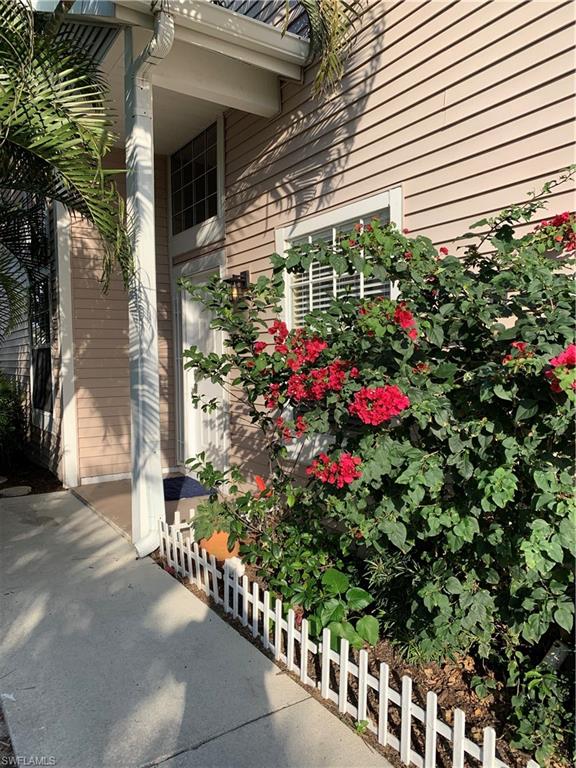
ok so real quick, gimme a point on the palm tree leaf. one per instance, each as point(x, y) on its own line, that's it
point(55, 127)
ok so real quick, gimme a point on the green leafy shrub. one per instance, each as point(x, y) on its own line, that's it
point(11, 422)
point(450, 415)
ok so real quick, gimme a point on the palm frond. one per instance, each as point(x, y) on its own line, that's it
point(332, 25)
point(55, 127)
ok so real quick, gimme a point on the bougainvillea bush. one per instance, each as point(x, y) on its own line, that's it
point(438, 505)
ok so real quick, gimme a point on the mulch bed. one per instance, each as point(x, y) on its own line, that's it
point(450, 681)
point(25, 472)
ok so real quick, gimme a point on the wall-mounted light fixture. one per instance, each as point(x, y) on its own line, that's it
point(238, 285)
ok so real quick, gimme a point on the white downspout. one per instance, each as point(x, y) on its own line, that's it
point(147, 489)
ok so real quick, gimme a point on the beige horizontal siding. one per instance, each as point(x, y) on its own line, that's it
point(101, 350)
point(465, 105)
point(15, 355)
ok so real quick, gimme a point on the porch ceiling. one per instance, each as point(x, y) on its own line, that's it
point(219, 60)
point(177, 116)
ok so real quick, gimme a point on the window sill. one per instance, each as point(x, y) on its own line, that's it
point(210, 231)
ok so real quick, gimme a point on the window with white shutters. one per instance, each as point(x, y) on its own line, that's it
point(319, 285)
point(315, 289)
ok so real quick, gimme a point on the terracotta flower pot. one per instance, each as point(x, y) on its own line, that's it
point(217, 545)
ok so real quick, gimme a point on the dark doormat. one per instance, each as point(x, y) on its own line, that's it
point(183, 488)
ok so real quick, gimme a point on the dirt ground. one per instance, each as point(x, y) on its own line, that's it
point(25, 472)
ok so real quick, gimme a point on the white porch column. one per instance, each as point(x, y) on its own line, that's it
point(69, 438)
point(147, 488)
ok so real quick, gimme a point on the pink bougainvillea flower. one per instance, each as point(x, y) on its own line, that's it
point(521, 346)
point(554, 383)
point(271, 400)
point(279, 330)
point(285, 431)
point(413, 334)
point(566, 358)
point(408, 255)
point(300, 426)
point(375, 405)
point(259, 347)
point(340, 472)
point(443, 250)
point(403, 317)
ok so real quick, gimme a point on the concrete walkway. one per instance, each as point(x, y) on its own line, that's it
point(108, 661)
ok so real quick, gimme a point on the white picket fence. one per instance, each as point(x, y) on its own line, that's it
point(371, 700)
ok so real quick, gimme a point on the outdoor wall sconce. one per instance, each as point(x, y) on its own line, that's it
point(238, 285)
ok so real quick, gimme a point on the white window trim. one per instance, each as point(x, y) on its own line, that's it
point(391, 198)
point(44, 420)
point(217, 262)
point(211, 230)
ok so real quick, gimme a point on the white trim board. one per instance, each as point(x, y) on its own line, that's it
point(69, 423)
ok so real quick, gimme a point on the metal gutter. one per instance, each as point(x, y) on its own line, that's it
point(147, 487)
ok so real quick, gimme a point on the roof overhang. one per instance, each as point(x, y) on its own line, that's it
point(202, 24)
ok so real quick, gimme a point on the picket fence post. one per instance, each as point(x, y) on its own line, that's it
point(184, 555)
point(255, 609)
point(325, 678)
point(304, 651)
point(343, 687)
point(406, 719)
point(383, 704)
point(430, 733)
point(458, 739)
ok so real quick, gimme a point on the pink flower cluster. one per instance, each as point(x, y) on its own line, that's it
point(315, 384)
point(567, 234)
point(521, 347)
point(405, 319)
point(303, 350)
point(300, 427)
point(340, 472)
point(565, 360)
point(374, 405)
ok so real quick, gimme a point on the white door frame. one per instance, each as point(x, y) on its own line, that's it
point(215, 262)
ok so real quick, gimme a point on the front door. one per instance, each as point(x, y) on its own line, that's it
point(202, 432)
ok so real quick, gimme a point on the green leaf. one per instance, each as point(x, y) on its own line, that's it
point(396, 532)
point(436, 335)
point(564, 616)
point(526, 409)
point(332, 610)
point(335, 581)
point(453, 585)
point(358, 598)
point(350, 634)
point(368, 629)
point(502, 393)
point(445, 371)
point(466, 528)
